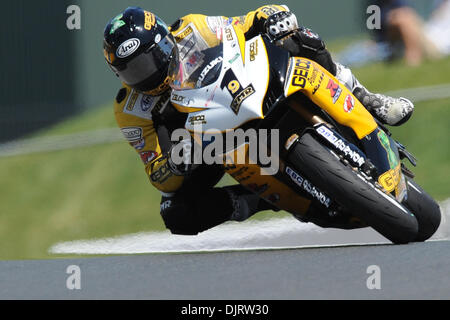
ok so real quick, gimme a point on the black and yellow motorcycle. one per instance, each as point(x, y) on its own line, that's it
point(334, 156)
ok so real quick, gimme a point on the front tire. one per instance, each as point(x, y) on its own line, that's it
point(377, 209)
point(426, 210)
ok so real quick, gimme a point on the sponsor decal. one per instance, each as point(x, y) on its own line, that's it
point(149, 21)
point(181, 99)
point(310, 34)
point(247, 92)
point(184, 33)
point(208, 68)
point(132, 134)
point(239, 20)
point(132, 101)
point(138, 145)
point(194, 59)
point(197, 120)
point(269, 10)
point(116, 24)
point(308, 187)
point(165, 205)
point(384, 140)
point(162, 174)
point(349, 103)
point(253, 50)
point(228, 22)
point(390, 179)
point(301, 72)
point(236, 90)
point(229, 35)
point(313, 78)
point(335, 90)
point(318, 84)
point(148, 156)
point(342, 146)
point(128, 48)
point(146, 102)
point(234, 58)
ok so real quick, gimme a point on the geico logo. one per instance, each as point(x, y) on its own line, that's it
point(253, 50)
point(229, 34)
point(149, 20)
point(301, 73)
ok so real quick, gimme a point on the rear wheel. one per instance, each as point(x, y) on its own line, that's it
point(426, 210)
point(377, 209)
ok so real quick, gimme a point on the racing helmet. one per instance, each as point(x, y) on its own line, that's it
point(138, 47)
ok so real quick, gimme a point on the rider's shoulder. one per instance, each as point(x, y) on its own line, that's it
point(131, 102)
point(121, 98)
point(182, 22)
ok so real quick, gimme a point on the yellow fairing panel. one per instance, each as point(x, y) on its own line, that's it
point(266, 186)
point(328, 93)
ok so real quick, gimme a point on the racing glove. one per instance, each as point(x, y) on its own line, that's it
point(280, 24)
point(180, 158)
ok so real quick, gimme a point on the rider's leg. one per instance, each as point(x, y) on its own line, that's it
point(391, 111)
point(198, 206)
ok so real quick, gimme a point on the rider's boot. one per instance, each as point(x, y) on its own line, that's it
point(245, 203)
point(388, 110)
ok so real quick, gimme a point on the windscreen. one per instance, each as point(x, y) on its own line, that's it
point(195, 68)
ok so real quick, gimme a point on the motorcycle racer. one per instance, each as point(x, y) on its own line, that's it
point(138, 46)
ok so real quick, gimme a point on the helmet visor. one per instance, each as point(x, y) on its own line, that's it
point(149, 64)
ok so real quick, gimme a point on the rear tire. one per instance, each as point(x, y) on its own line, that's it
point(379, 210)
point(425, 209)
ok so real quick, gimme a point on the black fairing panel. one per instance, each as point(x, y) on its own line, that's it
point(278, 61)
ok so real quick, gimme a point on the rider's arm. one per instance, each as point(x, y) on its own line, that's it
point(304, 42)
point(252, 24)
point(138, 128)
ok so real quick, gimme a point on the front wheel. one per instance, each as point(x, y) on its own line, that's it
point(425, 209)
point(353, 192)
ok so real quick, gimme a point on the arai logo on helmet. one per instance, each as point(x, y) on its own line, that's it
point(128, 48)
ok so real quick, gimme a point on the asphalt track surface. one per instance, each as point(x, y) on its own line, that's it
point(413, 271)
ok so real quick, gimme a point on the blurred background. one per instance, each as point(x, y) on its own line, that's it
point(67, 174)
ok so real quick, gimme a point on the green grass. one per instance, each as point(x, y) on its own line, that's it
point(98, 118)
point(427, 136)
point(380, 77)
point(103, 191)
